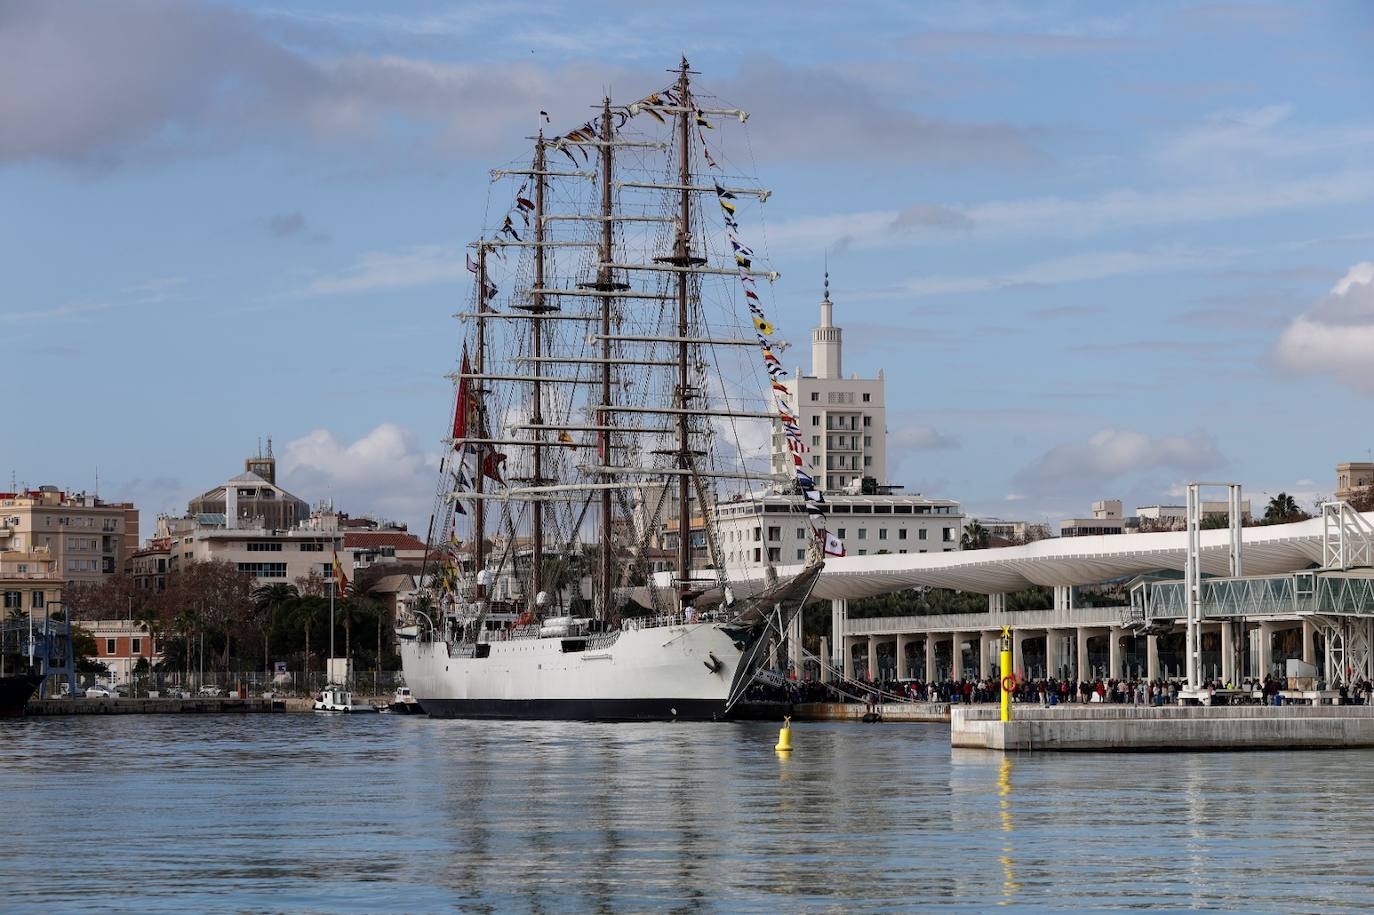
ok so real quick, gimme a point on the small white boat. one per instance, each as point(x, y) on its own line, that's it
point(339, 699)
point(403, 703)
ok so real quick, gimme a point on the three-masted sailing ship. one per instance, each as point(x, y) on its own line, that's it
point(596, 415)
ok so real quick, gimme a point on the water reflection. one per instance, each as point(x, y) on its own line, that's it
point(296, 812)
point(1009, 884)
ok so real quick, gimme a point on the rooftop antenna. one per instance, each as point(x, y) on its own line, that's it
point(269, 446)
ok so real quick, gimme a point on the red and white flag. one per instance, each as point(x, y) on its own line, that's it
point(834, 546)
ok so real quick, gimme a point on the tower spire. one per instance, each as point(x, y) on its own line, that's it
point(825, 340)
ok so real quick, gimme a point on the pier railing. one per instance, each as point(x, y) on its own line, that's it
point(251, 684)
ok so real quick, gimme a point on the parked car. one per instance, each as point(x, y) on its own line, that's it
point(212, 692)
point(122, 690)
point(177, 692)
point(98, 692)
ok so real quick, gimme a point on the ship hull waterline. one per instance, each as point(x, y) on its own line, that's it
point(667, 673)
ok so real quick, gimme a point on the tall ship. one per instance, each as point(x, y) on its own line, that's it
point(617, 362)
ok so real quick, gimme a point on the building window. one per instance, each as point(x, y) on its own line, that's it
point(868, 461)
point(109, 646)
point(815, 396)
point(264, 569)
point(868, 441)
point(756, 555)
point(774, 554)
point(135, 646)
point(801, 533)
point(111, 524)
point(863, 533)
point(863, 552)
point(37, 600)
point(264, 547)
point(312, 547)
point(774, 533)
point(868, 421)
point(14, 600)
point(921, 534)
point(815, 441)
point(867, 397)
point(901, 533)
point(882, 533)
point(949, 535)
point(801, 554)
point(815, 420)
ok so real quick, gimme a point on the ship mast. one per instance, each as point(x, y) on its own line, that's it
point(537, 415)
point(479, 506)
point(605, 284)
point(682, 258)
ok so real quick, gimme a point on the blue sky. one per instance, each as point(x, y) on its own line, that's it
point(1099, 249)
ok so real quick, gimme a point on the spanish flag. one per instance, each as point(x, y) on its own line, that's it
point(339, 575)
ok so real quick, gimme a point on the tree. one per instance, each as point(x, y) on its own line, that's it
point(306, 613)
point(268, 601)
point(1283, 509)
point(356, 608)
point(975, 537)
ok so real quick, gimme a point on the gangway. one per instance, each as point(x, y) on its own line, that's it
point(1337, 597)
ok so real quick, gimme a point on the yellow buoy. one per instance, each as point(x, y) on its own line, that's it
point(785, 736)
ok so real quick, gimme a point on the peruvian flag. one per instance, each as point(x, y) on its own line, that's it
point(464, 405)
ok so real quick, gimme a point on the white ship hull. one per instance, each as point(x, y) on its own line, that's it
point(660, 673)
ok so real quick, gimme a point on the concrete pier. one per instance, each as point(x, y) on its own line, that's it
point(113, 706)
point(854, 711)
point(1144, 728)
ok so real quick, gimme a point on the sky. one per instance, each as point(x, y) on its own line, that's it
point(1099, 250)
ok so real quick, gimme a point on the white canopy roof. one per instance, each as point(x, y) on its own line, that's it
point(1268, 550)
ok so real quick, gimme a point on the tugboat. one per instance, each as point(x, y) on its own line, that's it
point(403, 703)
point(339, 699)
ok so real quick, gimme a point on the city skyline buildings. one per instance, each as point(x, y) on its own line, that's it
point(1085, 273)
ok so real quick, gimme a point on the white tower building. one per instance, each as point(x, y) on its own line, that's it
point(843, 420)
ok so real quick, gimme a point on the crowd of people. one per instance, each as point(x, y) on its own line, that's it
point(1047, 691)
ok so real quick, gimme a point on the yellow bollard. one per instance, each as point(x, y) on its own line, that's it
point(1004, 669)
point(785, 736)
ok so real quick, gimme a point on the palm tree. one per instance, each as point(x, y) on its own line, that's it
point(305, 612)
point(185, 624)
point(975, 537)
point(1282, 508)
point(268, 600)
point(356, 608)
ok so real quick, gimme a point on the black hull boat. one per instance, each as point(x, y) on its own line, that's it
point(15, 692)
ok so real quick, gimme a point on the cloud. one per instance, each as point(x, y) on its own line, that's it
point(1111, 454)
point(919, 438)
point(1074, 268)
point(423, 265)
point(1336, 335)
point(284, 225)
point(383, 473)
point(819, 113)
point(1041, 217)
point(1005, 44)
point(92, 83)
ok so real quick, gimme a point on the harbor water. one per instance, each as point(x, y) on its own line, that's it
point(372, 813)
